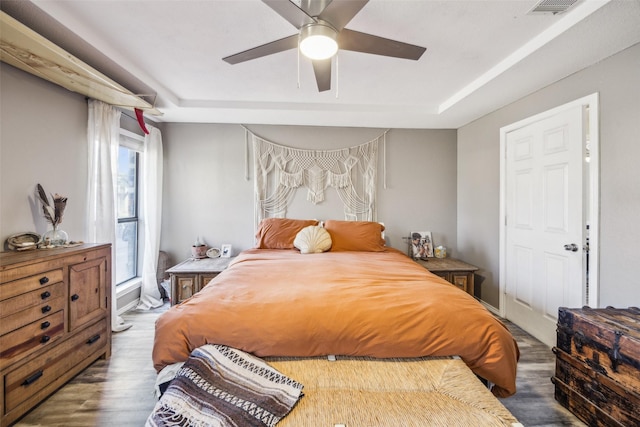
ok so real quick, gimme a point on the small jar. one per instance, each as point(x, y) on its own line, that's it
point(440, 252)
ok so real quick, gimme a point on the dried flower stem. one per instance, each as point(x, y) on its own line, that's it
point(53, 214)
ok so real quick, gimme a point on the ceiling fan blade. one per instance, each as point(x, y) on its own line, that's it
point(368, 43)
point(322, 70)
point(312, 7)
point(289, 11)
point(340, 12)
point(281, 45)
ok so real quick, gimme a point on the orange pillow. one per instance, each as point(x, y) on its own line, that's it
point(355, 235)
point(279, 233)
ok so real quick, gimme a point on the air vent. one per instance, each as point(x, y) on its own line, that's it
point(552, 6)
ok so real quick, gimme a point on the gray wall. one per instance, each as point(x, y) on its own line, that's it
point(43, 139)
point(206, 193)
point(617, 80)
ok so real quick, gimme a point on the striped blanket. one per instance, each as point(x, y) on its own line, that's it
point(219, 386)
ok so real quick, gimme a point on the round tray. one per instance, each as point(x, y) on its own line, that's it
point(213, 252)
point(22, 241)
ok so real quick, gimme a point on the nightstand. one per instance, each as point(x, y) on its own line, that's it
point(192, 275)
point(454, 271)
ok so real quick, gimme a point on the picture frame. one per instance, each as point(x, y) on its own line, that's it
point(225, 250)
point(420, 245)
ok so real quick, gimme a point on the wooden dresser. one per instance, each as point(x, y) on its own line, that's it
point(55, 320)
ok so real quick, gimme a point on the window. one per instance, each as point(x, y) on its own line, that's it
point(127, 231)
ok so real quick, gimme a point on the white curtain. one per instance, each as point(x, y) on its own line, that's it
point(103, 134)
point(152, 216)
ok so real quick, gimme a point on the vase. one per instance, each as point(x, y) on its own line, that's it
point(55, 237)
point(199, 251)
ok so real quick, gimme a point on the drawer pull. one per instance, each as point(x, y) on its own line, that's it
point(75, 297)
point(45, 295)
point(93, 339)
point(33, 378)
point(45, 325)
point(44, 280)
point(46, 309)
point(45, 339)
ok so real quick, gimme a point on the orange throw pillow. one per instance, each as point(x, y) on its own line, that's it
point(279, 233)
point(363, 236)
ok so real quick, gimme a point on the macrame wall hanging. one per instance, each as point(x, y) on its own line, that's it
point(280, 170)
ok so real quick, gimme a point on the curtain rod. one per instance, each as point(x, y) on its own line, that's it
point(124, 110)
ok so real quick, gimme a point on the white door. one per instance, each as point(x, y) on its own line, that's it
point(544, 221)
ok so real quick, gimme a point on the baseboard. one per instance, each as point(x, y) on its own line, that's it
point(128, 295)
point(491, 308)
point(133, 304)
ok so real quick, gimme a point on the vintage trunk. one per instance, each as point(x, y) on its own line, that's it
point(598, 365)
point(587, 390)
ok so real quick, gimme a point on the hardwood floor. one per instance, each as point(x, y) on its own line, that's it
point(114, 392)
point(119, 391)
point(534, 404)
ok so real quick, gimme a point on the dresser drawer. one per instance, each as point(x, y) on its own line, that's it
point(26, 381)
point(184, 286)
point(29, 299)
point(31, 283)
point(461, 280)
point(31, 314)
point(205, 279)
point(30, 338)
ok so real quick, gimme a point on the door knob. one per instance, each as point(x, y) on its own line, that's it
point(571, 247)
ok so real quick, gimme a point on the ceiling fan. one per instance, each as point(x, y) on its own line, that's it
point(321, 26)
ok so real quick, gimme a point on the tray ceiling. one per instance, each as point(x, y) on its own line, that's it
point(481, 55)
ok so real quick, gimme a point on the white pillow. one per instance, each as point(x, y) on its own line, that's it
point(312, 239)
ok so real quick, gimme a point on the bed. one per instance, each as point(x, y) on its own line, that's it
point(359, 298)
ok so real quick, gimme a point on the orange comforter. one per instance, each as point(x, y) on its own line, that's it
point(380, 304)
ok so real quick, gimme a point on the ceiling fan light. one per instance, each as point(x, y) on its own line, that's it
point(318, 41)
